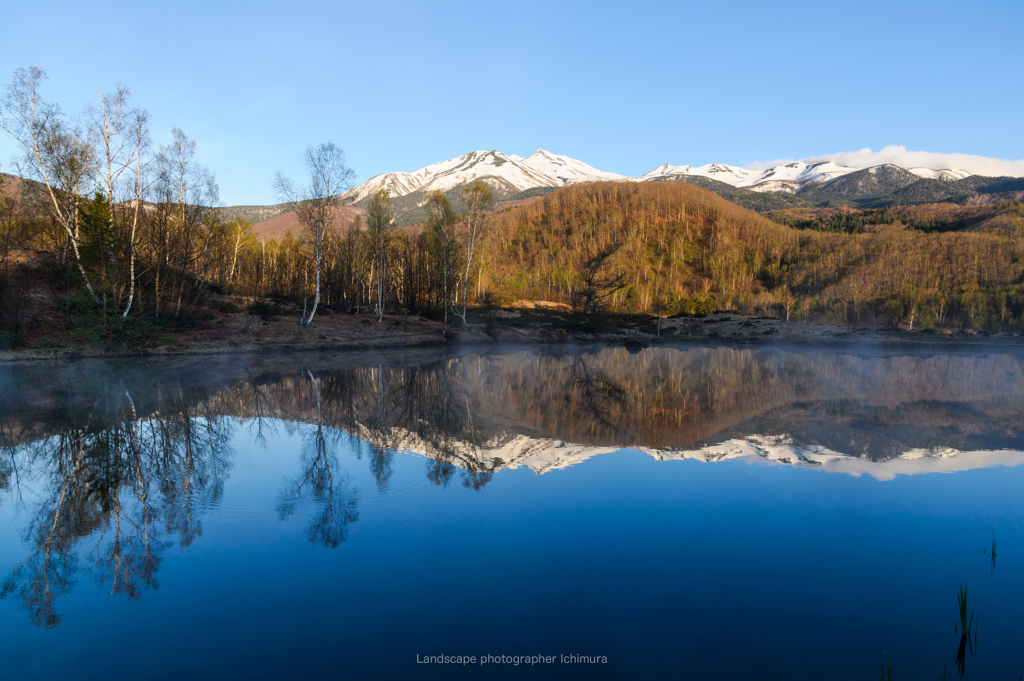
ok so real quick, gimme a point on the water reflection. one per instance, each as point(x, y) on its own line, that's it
point(323, 482)
point(133, 455)
point(128, 483)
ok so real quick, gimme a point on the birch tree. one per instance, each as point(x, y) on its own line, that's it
point(238, 229)
point(119, 137)
point(141, 135)
point(476, 200)
point(53, 153)
point(379, 221)
point(316, 204)
point(192, 189)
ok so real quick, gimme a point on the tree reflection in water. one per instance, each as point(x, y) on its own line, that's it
point(135, 470)
point(595, 396)
point(381, 456)
point(112, 475)
point(323, 483)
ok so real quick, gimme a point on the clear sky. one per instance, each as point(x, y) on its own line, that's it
point(623, 86)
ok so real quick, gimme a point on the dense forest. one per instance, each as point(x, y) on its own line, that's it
point(681, 249)
point(123, 239)
point(1005, 218)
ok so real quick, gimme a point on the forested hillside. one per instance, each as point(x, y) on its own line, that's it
point(680, 248)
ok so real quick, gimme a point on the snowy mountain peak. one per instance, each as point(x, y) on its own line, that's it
point(508, 173)
point(565, 169)
point(788, 177)
point(733, 175)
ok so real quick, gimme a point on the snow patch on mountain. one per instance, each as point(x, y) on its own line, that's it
point(803, 174)
point(947, 174)
point(567, 170)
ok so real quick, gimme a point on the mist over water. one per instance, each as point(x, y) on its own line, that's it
point(693, 510)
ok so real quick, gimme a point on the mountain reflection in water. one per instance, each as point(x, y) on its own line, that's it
point(133, 455)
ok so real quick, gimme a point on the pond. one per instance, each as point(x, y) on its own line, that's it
point(541, 512)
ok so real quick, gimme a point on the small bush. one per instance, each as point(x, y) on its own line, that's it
point(265, 310)
point(497, 299)
point(10, 340)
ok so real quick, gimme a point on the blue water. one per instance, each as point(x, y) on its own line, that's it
point(680, 568)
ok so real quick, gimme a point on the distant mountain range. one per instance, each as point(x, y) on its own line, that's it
point(512, 174)
point(510, 450)
point(792, 178)
point(791, 184)
point(796, 184)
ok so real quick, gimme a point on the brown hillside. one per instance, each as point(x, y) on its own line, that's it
point(275, 228)
point(695, 251)
point(674, 239)
point(28, 194)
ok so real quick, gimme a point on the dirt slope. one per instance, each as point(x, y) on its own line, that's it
point(275, 228)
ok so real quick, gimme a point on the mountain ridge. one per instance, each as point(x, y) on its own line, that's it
point(791, 184)
point(508, 174)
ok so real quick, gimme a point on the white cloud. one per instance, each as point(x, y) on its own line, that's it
point(901, 156)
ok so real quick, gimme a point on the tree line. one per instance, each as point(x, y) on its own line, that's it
point(126, 236)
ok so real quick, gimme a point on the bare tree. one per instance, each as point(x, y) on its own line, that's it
point(53, 152)
point(786, 300)
point(316, 204)
point(239, 230)
point(141, 134)
point(476, 200)
point(379, 221)
point(192, 189)
point(595, 285)
point(119, 136)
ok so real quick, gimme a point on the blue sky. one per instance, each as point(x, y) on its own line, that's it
point(623, 86)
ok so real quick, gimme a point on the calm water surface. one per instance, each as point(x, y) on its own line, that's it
point(692, 512)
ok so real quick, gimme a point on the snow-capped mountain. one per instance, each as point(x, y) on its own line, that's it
point(791, 177)
point(787, 178)
point(737, 177)
point(510, 174)
point(543, 455)
point(566, 170)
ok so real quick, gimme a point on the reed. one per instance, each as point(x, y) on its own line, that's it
point(961, 600)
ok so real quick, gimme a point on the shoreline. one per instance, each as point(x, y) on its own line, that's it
point(355, 333)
